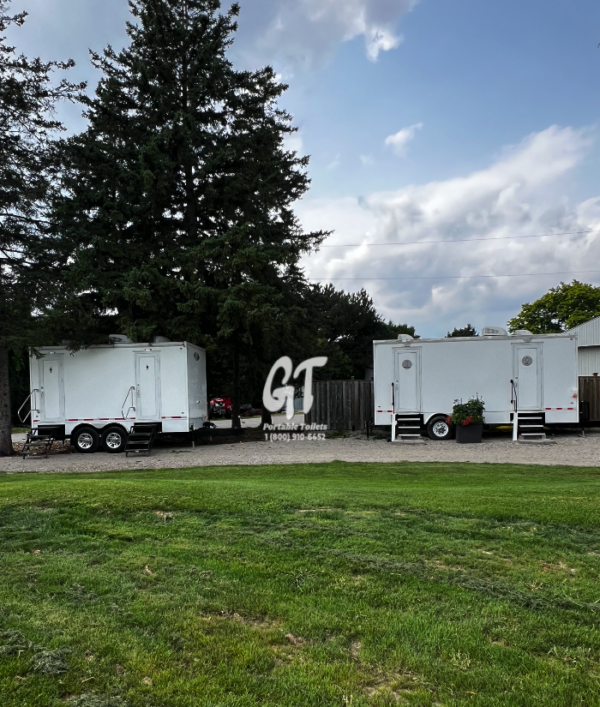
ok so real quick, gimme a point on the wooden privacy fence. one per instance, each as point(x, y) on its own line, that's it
point(589, 392)
point(342, 405)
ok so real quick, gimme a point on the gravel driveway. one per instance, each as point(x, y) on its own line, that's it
point(569, 449)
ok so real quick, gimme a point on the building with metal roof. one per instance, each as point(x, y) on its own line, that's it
point(588, 336)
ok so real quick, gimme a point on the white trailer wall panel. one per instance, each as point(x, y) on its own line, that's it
point(197, 390)
point(425, 376)
point(123, 383)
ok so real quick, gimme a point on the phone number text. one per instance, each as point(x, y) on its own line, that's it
point(294, 437)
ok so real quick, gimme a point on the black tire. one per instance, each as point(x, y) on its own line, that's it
point(439, 429)
point(114, 439)
point(86, 440)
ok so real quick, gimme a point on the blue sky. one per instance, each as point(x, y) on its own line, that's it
point(427, 121)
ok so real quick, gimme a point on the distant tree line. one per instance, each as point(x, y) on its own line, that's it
point(468, 330)
point(563, 307)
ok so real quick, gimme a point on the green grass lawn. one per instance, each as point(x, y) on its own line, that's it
point(334, 584)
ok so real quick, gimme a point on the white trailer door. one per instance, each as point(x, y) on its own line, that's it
point(528, 376)
point(147, 384)
point(52, 389)
point(406, 386)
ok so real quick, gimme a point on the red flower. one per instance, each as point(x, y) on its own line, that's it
point(467, 421)
point(448, 420)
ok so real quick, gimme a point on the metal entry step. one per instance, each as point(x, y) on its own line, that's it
point(530, 427)
point(37, 445)
point(141, 439)
point(408, 429)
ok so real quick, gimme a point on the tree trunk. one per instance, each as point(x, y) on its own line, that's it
point(6, 448)
point(236, 423)
point(266, 418)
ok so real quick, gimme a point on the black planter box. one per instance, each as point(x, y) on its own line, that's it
point(469, 434)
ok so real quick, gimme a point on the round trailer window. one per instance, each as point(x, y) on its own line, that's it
point(407, 363)
point(197, 356)
point(527, 360)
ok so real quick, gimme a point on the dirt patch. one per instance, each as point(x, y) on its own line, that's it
point(316, 510)
point(261, 624)
point(559, 567)
point(394, 688)
point(355, 648)
point(295, 640)
point(452, 568)
point(165, 515)
point(79, 594)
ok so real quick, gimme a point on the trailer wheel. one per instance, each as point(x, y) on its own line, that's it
point(86, 440)
point(114, 439)
point(438, 428)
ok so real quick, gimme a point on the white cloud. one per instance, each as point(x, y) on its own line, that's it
point(520, 194)
point(399, 141)
point(335, 163)
point(367, 160)
point(293, 142)
point(380, 39)
point(306, 32)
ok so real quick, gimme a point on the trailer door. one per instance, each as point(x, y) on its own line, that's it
point(528, 376)
point(407, 388)
point(147, 384)
point(52, 389)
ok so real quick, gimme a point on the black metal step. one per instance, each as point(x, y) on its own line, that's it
point(531, 425)
point(37, 445)
point(141, 439)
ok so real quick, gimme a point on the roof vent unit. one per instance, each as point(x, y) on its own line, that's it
point(161, 340)
point(522, 332)
point(405, 337)
point(493, 331)
point(119, 339)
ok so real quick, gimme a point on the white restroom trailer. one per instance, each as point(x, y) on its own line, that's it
point(526, 377)
point(94, 396)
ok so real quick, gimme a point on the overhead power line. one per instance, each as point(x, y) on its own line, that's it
point(456, 277)
point(458, 240)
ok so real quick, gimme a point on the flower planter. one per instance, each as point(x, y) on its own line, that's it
point(469, 434)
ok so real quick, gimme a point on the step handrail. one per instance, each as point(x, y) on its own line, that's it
point(33, 407)
point(513, 394)
point(515, 401)
point(124, 414)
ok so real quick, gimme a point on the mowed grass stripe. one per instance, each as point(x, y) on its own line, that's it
point(332, 584)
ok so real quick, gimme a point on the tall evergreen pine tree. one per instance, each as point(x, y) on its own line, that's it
point(29, 272)
point(178, 215)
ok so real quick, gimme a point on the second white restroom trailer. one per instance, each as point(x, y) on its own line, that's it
point(95, 396)
point(530, 380)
